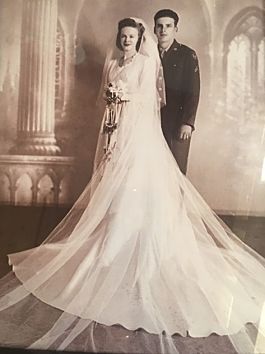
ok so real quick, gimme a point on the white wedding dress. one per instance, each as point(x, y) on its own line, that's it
point(140, 248)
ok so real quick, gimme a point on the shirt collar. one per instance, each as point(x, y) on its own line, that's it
point(166, 49)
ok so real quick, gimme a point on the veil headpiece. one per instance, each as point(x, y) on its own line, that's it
point(148, 47)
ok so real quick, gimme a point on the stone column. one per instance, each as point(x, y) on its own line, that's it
point(35, 131)
point(69, 75)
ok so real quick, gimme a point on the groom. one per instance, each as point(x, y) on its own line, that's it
point(182, 81)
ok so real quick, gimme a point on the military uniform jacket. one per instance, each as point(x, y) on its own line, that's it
point(182, 81)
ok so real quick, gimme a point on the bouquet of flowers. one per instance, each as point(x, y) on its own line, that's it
point(113, 95)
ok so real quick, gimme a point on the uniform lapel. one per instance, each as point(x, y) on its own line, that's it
point(173, 49)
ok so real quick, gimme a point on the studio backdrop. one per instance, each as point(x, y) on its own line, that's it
point(52, 55)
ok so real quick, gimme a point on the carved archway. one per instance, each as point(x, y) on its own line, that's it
point(250, 21)
point(244, 43)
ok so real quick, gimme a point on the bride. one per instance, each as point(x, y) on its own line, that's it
point(140, 257)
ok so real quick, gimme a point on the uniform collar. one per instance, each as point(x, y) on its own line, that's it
point(174, 46)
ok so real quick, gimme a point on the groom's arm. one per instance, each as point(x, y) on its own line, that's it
point(191, 88)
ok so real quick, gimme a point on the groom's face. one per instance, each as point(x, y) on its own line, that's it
point(165, 30)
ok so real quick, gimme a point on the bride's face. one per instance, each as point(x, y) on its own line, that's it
point(129, 38)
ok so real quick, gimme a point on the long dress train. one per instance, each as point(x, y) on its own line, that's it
point(140, 248)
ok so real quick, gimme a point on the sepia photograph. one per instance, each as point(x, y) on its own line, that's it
point(132, 176)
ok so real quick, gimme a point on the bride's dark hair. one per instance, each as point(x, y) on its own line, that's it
point(129, 22)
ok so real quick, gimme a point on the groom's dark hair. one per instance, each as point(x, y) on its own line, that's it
point(167, 13)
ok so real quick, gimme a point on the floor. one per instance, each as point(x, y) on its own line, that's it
point(26, 227)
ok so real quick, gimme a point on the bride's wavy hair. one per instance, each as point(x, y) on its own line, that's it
point(130, 22)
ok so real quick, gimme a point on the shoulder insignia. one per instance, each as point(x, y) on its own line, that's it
point(194, 56)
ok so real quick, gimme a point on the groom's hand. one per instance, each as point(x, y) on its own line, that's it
point(185, 132)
